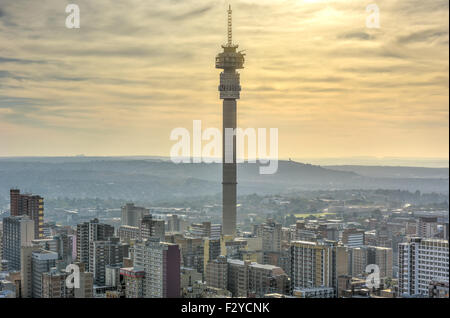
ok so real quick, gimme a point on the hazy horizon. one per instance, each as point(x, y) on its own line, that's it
point(325, 161)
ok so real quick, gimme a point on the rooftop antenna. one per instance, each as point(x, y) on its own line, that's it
point(230, 28)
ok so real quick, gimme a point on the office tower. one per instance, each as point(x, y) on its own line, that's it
point(229, 60)
point(88, 232)
point(176, 224)
point(192, 251)
point(358, 261)
point(328, 232)
point(26, 269)
point(267, 279)
point(422, 261)
point(30, 205)
point(235, 248)
point(206, 229)
point(18, 231)
point(249, 279)
point(60, 243)
point(217, 273)
point(128, 233)
point(317, 264)
point(86, 289)
point(427, 227)
point(189, 277)
point(112, 275)
point(212, 250)
point(103, 253)
point(149, 227)
point(54, 284)
point(131, 214)
point(303, 233)
point(41, 262)
point(64, 247)
point(411, 228)
point(161, 262)
point(353, 237)
point(271, 233)
point(362, 256)
point(134, 278)
point(381, 256)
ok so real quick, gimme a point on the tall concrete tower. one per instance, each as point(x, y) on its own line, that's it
point(229, 60)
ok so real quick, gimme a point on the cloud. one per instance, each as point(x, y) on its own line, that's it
point(138, 68)
point(357, 36)
point(429, 35)
point(20, 61)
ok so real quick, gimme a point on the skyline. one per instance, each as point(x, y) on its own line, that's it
point(121, 82)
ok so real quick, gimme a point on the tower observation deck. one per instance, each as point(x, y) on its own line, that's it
point(229, 61)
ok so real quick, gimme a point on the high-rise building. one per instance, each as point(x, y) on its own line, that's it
point(422, 261)
point(54, 284)
point(427, 227)
point(206, 229)
point(250, 279)
point(134, 278)
point(317, 264)
point(212, 249)
point(41, 262)
point(353, 237)
point(161, 263)
point(88, 232)
point(217, 273)
point(149, 227)
point(60, 243)
point(176, 224)
point(229, 60)
point(192, 251)
point(26, 269)
point(103, 253)
point(358, 261)
point(112, 275)
point(131, 214)
point(30, 205)
point(86, 289)
point(18, 231)
point(271, 233)
point(128, 233)
point(382, 257)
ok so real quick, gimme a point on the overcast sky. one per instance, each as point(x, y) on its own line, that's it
point(136, 69)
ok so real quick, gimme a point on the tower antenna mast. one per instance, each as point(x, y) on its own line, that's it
point(230, 27)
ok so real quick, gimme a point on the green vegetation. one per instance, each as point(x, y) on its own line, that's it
point(305, 215)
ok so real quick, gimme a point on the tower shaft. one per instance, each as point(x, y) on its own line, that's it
point(229, 173)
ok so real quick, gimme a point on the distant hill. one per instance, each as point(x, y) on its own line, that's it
point(395, 172)
point(156, 179)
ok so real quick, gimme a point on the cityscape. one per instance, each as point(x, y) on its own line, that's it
point(185, 226)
